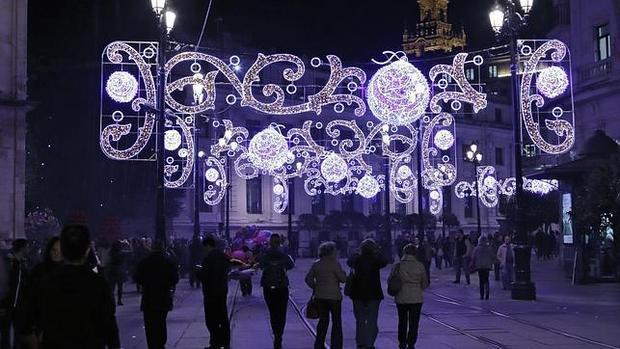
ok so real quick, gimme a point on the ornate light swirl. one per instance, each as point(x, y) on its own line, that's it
point(214, 192)
point(280, 194)
point(562, 128)
point(435, 200)
point(468, 94)
point(402, 187)
point(487, 183)
point(188, 163)
point(244, 87)
point(445, 173)
point(115, 132)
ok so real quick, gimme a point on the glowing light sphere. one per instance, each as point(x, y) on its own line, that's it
point(552, 81)
point(489, 182)
point(434, 194)
point(278, 189)
point(212, 175)
point(403, 172)
point(172, 140)
point(368, 186)
point(334, 168)
point(268, 149)
point(398, 94)
point(444, 139)
point(122, 86)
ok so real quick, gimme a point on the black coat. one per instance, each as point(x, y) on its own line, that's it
point(158, 276)
point(74, 309)
point(367, 280)
point(214, 274)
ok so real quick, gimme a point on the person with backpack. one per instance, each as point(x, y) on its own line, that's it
point(412, 281)
point(366, 291)
point(274, 281)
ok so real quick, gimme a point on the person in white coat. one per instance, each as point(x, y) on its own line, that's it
point(506, 257)
point(409, 299)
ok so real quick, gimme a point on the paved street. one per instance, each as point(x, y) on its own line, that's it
point(564, 316)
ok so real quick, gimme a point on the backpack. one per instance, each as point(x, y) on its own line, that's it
point(274, 275)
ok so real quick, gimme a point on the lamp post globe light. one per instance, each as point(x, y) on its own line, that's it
point(506, 21)
point(474, 156)
point(165, 25)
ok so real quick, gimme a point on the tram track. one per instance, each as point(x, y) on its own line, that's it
point(460, 303)
point(300, 314)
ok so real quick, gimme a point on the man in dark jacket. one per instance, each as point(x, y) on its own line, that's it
point(274, 282)
point(214, 278)
point(366, 292)
point(74, 307)
point(157, 276)
point(12, 305)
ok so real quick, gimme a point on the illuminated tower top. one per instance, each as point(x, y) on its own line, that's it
point(433, 33)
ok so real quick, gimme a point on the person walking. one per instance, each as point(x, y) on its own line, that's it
point(482, 261)
point(116, 270)
point(245, 281)
point(213, 275)
point(506, 257)
point(73, 306)
point(274, 281)
point(157, 276)
point(324, 278)
point(366, 292)
point(460, 257)
point(409, 299)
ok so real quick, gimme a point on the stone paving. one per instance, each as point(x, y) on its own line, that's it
point(564, 316)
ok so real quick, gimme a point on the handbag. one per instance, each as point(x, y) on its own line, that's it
point(312, 308)
point(395, 284)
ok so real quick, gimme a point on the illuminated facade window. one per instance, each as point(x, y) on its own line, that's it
point(603, 42)
point(492, 71)
point(254, 195)
point(470, 74)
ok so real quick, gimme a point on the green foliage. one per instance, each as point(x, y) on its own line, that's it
point(308, 221)
point(537, 211)
point(450, 220)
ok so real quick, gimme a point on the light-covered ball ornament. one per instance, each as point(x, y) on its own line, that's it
point(172, 140)
point(278, 189)
point(403, 172)
point(212, 175)
point(552, 81)
point(268, 149)
point(368, 187)
point(489, 182)
point(398, 94)
point(122, 86)
point(334, 168)
point(444, 139)
point(434, 194)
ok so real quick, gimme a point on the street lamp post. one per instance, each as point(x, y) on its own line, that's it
point(508, 21)
point(198, 93)
point(166, 21)
point(474, 156)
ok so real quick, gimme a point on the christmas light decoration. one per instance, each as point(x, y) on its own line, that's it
point(444, 139)
point(457, 72)
point(398, 93)
point(404, 171)
point(122, 87)
point(212, 175)
point(552, 82)
point(334, 168)
point(368, 187)
point(268, 149)
point(172, 140)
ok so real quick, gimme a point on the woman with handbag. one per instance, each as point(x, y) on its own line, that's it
point(413, 281)
point(325, 277)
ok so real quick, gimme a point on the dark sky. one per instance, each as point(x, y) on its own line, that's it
point(66, 168)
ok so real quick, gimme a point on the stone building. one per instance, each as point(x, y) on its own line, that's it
point(13, 109)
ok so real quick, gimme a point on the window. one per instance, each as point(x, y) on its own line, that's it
point(499, 156)
point(254, 195)
point(469, 207)
point(529, 150)
point(291, 197)
point(470, 74)
point(347, 203)
point(603, 42)
point(498, 115)
point(492, 71)
point(318, 204)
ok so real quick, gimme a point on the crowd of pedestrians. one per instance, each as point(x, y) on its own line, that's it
point(65, 294)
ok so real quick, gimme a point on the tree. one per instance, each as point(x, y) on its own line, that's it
point(334, 221)
point(537, 211)
point(308, 221)
point(450, 220)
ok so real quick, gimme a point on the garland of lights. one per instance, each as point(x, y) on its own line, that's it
point(551, 82)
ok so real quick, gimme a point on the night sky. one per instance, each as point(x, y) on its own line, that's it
point(66, 169)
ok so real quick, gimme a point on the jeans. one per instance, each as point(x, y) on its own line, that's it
point(483, 276)
point(327, 307)
point(462, 263)
point(408, 321)
point(438, 260)
point(366, 314)
point(277, 303)
point(155, 328)
point(216, 319)
point(507, 272)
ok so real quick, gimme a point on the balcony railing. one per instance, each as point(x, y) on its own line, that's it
point(595, 72)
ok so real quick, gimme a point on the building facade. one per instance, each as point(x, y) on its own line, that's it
point(13, 108)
